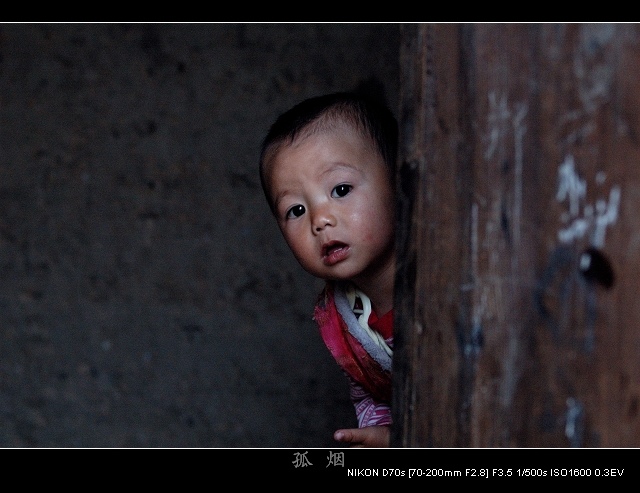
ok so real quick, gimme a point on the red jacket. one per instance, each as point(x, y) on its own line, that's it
point(355, 352)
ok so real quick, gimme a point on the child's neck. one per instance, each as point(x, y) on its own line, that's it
point(381, 302)
point(379, 288)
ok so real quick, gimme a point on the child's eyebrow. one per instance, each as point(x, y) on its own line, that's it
point(278, 198)
point(338, 166)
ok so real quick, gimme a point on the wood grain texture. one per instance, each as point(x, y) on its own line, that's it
point(518, 180)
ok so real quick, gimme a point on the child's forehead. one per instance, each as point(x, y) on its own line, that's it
point(334, 141)
point(337, 130)
point(325, 145)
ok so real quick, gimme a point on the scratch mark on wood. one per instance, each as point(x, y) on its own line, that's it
point(498, 114)
point(519, 130)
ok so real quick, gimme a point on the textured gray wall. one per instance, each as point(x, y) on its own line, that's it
point(146, 296)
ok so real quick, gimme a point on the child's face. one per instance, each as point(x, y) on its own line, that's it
point(334, 205)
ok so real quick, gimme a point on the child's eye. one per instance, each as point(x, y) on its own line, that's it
point(295, 211)
point(341, 190)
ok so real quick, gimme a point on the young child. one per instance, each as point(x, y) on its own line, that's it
point(327, 170)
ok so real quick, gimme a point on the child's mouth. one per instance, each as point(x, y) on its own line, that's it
point(334, 252)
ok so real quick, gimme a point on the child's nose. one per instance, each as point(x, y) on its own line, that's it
point(321, 219)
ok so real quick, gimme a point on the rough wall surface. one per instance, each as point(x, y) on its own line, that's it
point(146, 296)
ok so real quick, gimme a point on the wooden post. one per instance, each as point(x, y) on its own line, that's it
point(517, 294)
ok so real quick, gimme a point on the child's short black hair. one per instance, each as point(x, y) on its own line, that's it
point(371, 117)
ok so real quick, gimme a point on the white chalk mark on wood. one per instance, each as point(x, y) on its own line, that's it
point(571, 186)
point(606, 214)
point(584, 218)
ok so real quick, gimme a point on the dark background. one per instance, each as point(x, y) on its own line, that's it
point(146, 296)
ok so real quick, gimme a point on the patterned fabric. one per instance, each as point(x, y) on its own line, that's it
point(369, 412)
point(367, 366)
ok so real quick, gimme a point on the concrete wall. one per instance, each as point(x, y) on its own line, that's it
point(146, 296)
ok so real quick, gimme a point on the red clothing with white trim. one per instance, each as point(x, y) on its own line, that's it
point(369, 382)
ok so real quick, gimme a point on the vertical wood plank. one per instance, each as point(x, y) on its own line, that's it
point(519, 240)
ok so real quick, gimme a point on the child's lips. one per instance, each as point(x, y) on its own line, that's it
point(334, 252)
